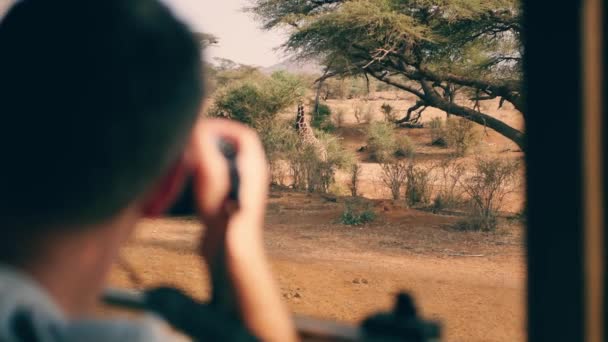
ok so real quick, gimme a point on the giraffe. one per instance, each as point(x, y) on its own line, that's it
point(307, 135)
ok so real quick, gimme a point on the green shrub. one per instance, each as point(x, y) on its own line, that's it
point(357, 212)
point(381, 141)
point(279, 139)
point(321, 119)
point(257, 101)
point(238, 102)
point(367, 216)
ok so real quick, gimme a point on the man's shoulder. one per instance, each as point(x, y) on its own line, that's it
point(29, 324)
point(144, 329)
point(27, 313)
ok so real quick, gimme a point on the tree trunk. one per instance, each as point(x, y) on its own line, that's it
point(316, 107)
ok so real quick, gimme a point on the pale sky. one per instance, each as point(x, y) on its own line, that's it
point(240, 38)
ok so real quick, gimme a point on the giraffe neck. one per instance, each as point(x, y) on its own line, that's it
point(307, 136)
point(301, 124)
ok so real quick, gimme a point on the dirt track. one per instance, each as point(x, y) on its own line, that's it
point(473, 282)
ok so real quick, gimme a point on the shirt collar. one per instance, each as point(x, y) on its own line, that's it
point(21, 290)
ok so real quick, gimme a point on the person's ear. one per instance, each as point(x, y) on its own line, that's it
point(167, 189)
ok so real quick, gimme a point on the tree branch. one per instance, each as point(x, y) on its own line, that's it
point(410, 110)
point(395, 83)
point(507, 91)
point(434, 99)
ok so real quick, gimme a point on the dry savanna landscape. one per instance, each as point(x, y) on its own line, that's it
point(394, 132)
point(334, 262)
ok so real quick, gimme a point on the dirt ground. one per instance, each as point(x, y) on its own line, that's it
point(472, 282)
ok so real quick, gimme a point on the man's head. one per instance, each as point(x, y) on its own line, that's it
point(97, 100)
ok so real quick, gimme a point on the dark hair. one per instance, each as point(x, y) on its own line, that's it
point(97, 99)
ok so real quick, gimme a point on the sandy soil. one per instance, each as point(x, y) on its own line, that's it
point(472, 282)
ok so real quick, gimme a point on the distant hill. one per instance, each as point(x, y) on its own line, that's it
point(294, 67)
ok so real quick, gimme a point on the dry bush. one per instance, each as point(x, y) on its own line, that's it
point(363, 112)
point(309, 172)
point(355, 176)
point(320, 175)
point(358, 87)
point(278, 173)
point(437, 132)
point(368, 114)
point(462, 135)
point(418, 185)
point(450, 194)
point(334, 89)
point(299, 167)
point(394, 174)
point(383, 144)
point(358, 111)
point(404, 146)
point(390, 115)
point(339, 117)
point(382, 86)
point(491, 182)
point(339, 190)
point(280, 141)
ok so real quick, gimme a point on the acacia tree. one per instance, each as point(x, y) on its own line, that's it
point(430, 48)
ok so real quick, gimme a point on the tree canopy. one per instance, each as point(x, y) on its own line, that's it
point(257, 100)
point(430, 48)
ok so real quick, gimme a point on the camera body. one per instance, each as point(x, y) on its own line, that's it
point(185, 204)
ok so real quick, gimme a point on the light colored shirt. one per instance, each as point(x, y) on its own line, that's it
point(23, 303)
